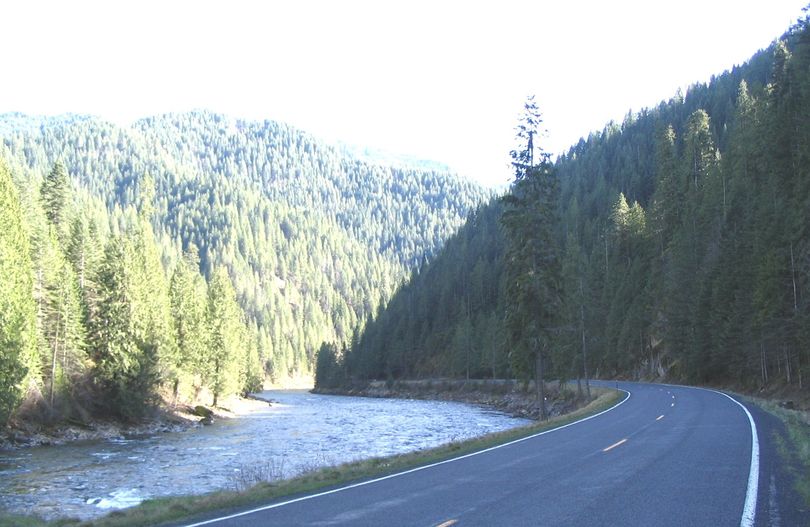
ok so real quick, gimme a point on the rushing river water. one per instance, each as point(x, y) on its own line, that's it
point(300, 431)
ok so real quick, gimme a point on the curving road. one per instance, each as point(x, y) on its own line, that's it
point(667, 455)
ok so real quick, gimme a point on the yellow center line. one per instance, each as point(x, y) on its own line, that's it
point(448, 523)
point(614, 445)
point(660, 417)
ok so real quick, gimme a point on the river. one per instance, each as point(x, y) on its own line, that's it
point(298, 432)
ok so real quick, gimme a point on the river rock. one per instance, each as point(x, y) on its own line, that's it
point(202, 411)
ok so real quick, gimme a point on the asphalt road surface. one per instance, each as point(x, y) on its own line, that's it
point(667, 455)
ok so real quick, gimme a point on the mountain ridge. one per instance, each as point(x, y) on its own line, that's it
point(256, 196)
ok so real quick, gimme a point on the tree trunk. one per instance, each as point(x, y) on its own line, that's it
point(762, 363)
point(81, 272)
point(540, 385)
point(469, 345)
point(582, 332)
point(53, 364)
point(66, 319)
point(606, 258)
point(216, 383)
point(793, 277)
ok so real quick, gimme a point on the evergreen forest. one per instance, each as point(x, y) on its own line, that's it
point(680, 251)
point(193, 255)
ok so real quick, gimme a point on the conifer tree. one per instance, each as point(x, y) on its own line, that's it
point(83, 251)
point(252, 376)
point(327, 370)
point(573, 348)
point(668, 196)
point(55, 195)
point(62, 325)
point(699, 149)
point(189, 311)
point(18, 365)
point(227, 344)
point(531, 261)
point(125, 371)
point(152, 289)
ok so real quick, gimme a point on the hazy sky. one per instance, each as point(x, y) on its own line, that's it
point(439, 80)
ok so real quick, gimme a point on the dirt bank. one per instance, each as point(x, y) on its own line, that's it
point(23, 433)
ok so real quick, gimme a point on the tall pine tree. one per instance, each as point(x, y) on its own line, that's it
point(532, 260)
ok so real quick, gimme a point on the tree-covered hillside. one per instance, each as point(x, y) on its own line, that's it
point(683, 246)
point(174, 209)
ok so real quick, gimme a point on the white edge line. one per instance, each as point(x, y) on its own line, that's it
point(750, 507)
point(417, 469)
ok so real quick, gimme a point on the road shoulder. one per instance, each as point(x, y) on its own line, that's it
point(779, 502)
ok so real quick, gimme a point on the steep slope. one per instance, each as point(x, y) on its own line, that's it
point(446, 319)
point(683, 241)
point(313, 240)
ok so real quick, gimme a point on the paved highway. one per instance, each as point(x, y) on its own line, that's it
point(667, 455)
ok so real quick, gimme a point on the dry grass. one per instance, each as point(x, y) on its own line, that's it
point(250, 475)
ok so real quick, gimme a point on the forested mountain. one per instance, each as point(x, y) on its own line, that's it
point(683, 246)
point(205, 233)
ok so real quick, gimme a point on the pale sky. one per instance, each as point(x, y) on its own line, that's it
point(438, 80)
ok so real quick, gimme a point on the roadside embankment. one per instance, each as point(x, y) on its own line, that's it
point(508, 396)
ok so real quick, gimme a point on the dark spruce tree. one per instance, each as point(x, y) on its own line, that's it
point(328, 371)
point(532, 263)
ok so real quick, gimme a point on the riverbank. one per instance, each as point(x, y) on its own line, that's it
point(27, 433)
point(184, 509)
point(507, 396)
point(300, 432)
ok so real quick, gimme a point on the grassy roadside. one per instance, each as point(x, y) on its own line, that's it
point(795, 449)
point(166, 510)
